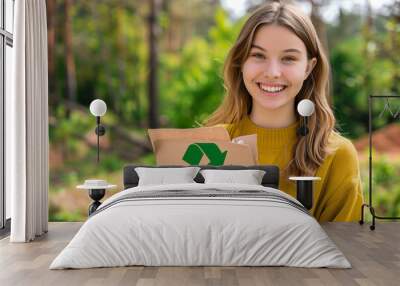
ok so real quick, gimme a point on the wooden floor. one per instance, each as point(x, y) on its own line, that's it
point(374, 255)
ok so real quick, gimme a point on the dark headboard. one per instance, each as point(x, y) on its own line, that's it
point(270, 179)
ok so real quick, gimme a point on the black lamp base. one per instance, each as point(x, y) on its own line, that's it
point(96, 195)
point(305, 193)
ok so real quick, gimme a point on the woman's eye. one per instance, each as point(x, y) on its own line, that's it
point(258, 56)
point(289, 59)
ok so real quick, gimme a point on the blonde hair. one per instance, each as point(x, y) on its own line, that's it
point(238, 102)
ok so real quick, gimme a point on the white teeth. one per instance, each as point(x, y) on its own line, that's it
point(271, 89)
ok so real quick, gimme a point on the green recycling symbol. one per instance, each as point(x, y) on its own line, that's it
point(194, 153)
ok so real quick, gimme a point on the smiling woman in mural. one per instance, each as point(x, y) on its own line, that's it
point(276, 62)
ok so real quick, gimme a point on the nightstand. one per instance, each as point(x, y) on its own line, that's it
point(97, 190)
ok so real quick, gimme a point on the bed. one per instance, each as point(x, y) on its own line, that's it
point(201, 224)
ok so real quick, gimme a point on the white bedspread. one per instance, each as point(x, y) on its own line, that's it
point(200, 231)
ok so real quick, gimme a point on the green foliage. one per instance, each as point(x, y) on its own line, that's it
point(192, 83)
point(149, 159)
point(385, 186)
point(57, 214)
point(67, 216)
point(383, 171)
point(111, 163)
point(111, 57)
point(70, 177)
point(110, 45)
point(69, 128)
point(354, 78)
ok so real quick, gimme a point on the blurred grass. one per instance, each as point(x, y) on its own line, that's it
point(73, 160)
point(385, 185)
point(70, 204)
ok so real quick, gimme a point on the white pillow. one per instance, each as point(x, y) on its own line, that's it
point(163, 176)
point(249, 177)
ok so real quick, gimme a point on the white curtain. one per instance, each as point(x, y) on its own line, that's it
point(27, 124)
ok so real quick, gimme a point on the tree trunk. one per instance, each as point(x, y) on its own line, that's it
point(319, 24)
point(395, 44)
point(69, 56)
point(153, 62)
point(367, 35)
point(119, 96)
point(320, 27)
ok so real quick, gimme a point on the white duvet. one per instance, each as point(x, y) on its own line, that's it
point(200, 231)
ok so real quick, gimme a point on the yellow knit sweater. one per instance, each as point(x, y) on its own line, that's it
point(338, 195)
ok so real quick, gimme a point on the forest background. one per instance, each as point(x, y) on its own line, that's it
point(158, 63)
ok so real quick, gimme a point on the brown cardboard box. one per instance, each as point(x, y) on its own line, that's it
point(251, 141)
point(202, 152)
point(202, 146)
point(205, 133)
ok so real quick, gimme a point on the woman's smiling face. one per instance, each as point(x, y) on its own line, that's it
point(276, 67)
